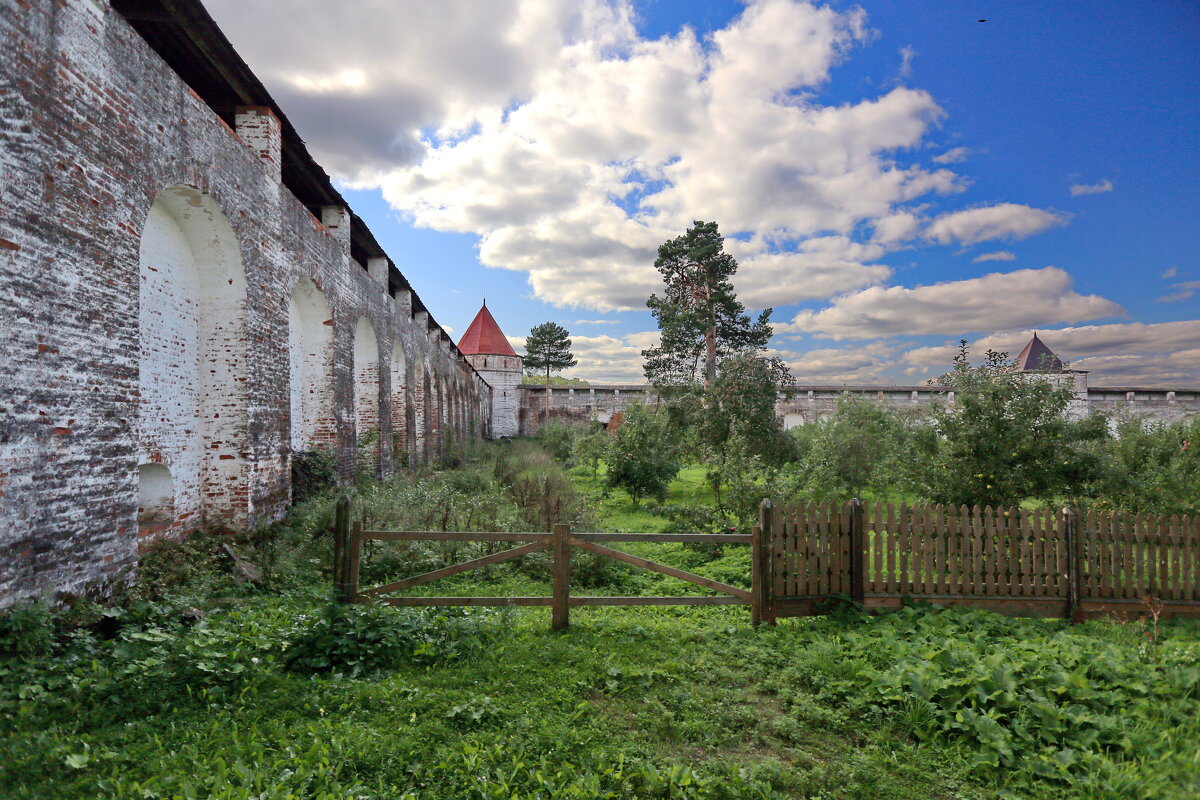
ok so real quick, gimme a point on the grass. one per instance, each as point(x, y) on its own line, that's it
point(618, 512)
point(273, 694)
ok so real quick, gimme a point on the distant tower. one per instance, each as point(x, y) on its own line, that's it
point(489, 352)
point(1040, 359)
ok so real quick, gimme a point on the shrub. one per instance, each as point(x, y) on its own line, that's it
point(357, 640)
point(642, 457)
point(558, 439)
point(313, 472)
point(27, 629)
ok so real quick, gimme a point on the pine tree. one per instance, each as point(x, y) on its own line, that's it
point(700, 320)
point(548, 347)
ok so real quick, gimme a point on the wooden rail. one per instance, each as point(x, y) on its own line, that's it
point(349, 537)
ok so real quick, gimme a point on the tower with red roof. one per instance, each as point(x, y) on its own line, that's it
point(488, 350)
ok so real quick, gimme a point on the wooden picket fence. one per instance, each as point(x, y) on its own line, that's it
point(1011, 560)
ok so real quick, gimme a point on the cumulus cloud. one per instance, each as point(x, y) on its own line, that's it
point(996, 301)
point(954, 155)
point(1161, 353)
point(1079, 189)
point(1000, 221)
point(611, 359)
point(999, 255)
point(572, 146)
point(866, 364)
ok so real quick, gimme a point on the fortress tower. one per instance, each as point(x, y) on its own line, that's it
point(486, 347)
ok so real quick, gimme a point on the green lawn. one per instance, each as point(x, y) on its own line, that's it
point(275, 694)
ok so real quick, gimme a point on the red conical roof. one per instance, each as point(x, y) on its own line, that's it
point(1036, 357)
point(484, 337)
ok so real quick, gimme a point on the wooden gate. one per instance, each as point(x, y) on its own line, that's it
point(1011, 560)
point(349, 538)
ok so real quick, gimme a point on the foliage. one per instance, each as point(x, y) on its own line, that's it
point(590, 449)
point(1006, 438)
point(313, 472)
point(700, 320)
point(1151, 466)
point(27, 629)
point(548, 347)
point(1047, 709)
point(641, 455)
point(359, 640)
point(736, 430)
point(558, 439)
point(859, 450)
point(276, 695)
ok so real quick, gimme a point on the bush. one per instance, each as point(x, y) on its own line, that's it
point(27, 629)
point(357, 640)
point(558, 439)
point(313, 472)
point(642, 457)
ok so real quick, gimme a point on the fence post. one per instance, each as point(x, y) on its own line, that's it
point(762, 558)
point(1073, 553)
point(353, 557)
point(341, 542)
point(560, 576)
point(756, 582)
point(858, 537)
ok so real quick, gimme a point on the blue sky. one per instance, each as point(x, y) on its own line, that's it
point(900, 175)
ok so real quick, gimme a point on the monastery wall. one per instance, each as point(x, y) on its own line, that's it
point(175, 322)
point(807, 404)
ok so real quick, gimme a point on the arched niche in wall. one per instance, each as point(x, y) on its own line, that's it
point(310, 368)
point(401, 411)
point(156, 500)
point(366, 395)
point(191, 361)
point(792, 419)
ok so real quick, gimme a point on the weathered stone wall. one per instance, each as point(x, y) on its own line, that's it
point(806, 404)
point(175, 323)
point(504, 375)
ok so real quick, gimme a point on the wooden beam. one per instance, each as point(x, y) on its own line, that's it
point(663, 568)
point(561, 577)
point(682, 600)
point(454, 569)
point(457, 601)
point(429, 536)
point(710, 538)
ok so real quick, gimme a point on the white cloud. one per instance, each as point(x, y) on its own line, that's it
point(954, 155)
point(996, 301)
point(1003, 220)
point(865, 364)
point(1154, 354)
point(1167, 274)
point(573, 147)
point(1079, 189)
point(907, 54)
point(611, 359)
point(999, 255)
point(594, 322)
point(1183, 291)
point(896, 227)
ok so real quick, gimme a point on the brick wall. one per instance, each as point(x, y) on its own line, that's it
point(135, 374)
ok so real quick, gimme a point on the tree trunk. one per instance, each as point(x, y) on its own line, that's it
point(710, 341)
